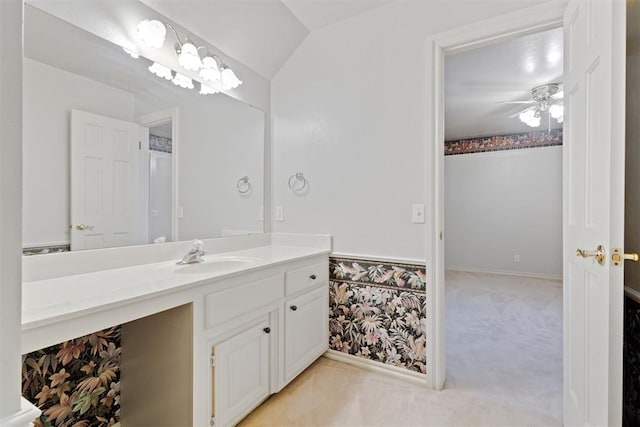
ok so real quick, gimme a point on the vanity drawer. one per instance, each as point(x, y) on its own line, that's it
point(225, 305)
point(306, 277)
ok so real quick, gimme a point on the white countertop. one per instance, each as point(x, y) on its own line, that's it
point(53, 300)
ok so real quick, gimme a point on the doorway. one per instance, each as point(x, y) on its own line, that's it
point(592, 312)
point(160, 152)
point(158, 174)
point(503, 222)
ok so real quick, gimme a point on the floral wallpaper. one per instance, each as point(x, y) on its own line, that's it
point(160, 143)
point(513, 141)
point(49, 249)
point(378, 312)
point(631, 364)
point(76, 383)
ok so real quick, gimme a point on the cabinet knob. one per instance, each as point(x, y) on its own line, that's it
point(312, 277)
point(267, 330)
point(293, 307)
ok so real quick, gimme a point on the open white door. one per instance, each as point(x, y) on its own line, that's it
point(104, 180)
point(594, 86)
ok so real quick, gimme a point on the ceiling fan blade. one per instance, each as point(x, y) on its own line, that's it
point(522, 111)
point(515, 102)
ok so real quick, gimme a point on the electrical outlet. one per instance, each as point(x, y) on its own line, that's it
point(279, 213)
point(516, 258)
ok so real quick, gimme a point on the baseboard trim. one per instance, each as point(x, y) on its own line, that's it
point(503, 273)
point(381, 368)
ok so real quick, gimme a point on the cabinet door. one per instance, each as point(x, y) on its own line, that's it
point(241, 374)
point(306, 330)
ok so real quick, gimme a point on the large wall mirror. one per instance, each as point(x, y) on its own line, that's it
point(114, 155)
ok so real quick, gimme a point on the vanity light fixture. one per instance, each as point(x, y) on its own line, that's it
point(188, 56)
point(152, 33)
point(207, 90)
point(183, 81)
point(161, 71)
point(210, 70)
point(229, 78)
point(210, 67)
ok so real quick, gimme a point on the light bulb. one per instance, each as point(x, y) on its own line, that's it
point(229, 79)
point(534, 122)
point(161, 71)
point(210, 70)
point(183, 81)
point(188, 57)
point(152, 33)
point(530, 117)
point(556, 111)
point(207, 90)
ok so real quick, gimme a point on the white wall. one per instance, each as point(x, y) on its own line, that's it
point(219, 140)
point(505, 203)
point(350, 111)
point(49, 95)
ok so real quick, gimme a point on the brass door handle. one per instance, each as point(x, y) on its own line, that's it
point(598, 254)
point(82, 227)
point(618, 256)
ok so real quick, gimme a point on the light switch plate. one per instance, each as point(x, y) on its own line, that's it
point(417, 215)
point(279, 213)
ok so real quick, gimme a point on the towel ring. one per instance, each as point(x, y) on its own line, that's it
point(243, 185)
point(297, 182)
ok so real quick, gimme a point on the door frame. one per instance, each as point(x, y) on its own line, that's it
point(520, 23)
point(154, 119)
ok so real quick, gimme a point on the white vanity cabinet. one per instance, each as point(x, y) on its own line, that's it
point(264, 333)
point(240, 372)
point(306, 316)
point(202, 344)
point(306, 336)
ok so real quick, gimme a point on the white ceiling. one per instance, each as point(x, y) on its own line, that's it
point(261, 34)
point(477, 80)
point(316, 14)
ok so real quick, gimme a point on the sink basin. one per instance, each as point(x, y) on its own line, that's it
point(217, 265)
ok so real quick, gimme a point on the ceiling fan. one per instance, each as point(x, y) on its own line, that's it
point(545, 98)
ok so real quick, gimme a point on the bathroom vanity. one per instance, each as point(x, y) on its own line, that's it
point(204, 343)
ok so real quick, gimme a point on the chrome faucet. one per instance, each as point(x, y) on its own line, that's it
point(194, 255)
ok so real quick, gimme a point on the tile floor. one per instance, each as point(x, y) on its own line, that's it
point(504, 367)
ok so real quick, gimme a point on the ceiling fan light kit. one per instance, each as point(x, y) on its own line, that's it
point(546, 99)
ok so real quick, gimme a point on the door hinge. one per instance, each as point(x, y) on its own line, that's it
point(212, 421)
point(139, 145)
point(212, 360)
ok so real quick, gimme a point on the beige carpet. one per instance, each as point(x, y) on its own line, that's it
point(504, 367)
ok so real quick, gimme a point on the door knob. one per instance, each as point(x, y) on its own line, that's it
point(598, 254)
point(293, 307)
point(618, 256)
point(312, 277)
point(267, 330)
point(82, 227)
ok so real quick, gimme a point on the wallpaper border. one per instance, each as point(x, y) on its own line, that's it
point(512, 141)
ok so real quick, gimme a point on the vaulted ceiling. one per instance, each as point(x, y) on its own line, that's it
point(262, 34)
